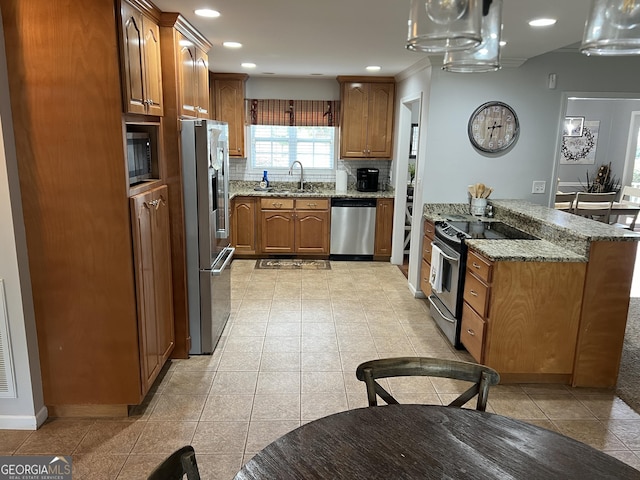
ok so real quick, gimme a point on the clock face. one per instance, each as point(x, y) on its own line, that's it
point(493, 127)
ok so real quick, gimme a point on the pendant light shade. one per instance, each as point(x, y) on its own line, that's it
point(437, 26)
point(486, 56)
point(612, 28)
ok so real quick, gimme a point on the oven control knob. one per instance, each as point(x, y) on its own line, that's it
point(460, 235)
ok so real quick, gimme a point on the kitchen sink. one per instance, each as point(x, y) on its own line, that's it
point(287, 190)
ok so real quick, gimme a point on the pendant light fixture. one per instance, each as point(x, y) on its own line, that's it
point(612, 28)
point(438, 26)
point(486, 56)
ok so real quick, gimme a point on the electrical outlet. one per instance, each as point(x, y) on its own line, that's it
point(538, 186)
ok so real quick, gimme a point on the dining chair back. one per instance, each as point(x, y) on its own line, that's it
point(564, 201)
point(596, 206)
point(629, 196)
point(481, 376)
point(178, 464)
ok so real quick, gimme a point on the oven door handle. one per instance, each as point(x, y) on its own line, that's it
point(450, 320)
point(444, 255)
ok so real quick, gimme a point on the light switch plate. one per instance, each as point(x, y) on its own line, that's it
point(538, 186)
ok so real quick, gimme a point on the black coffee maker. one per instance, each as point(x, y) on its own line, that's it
point(367, 179)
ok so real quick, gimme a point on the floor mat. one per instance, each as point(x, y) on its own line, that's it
point(292, 264)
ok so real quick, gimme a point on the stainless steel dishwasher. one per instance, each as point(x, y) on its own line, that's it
point(353, 227)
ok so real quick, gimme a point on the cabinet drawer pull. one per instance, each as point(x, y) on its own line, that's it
point(277, 205)
point(473, 292)
point(475, 265)
point(312, 204)
point(471, 332)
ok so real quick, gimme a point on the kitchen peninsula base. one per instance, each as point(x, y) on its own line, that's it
point(552, 310)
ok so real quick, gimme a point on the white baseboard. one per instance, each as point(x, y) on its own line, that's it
point(23, 422)
point(415, 292)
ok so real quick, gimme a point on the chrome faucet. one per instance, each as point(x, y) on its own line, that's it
point(301, 173)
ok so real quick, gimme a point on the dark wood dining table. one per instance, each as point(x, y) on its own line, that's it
point(428, 442)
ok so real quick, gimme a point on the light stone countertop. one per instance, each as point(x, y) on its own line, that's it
point(311, 189)
point(564, 237)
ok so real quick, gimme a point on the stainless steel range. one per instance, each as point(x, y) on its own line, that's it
point(448, 263)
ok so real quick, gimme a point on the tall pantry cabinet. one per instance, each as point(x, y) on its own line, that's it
point(73, 182)
point(101, 253)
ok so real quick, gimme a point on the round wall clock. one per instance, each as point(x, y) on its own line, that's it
point(493, 127)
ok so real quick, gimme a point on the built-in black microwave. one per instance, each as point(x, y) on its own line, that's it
point(138, 157)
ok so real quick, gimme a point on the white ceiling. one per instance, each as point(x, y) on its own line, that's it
point(341, 37)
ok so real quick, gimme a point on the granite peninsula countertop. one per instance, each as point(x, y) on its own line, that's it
point(564, 237)
point(311, 189)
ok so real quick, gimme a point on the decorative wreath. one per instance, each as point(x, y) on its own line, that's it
point(576, 148)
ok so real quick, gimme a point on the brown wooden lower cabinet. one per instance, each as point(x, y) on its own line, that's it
point(522, 318)
point(296, 225)
point(384, 228)
point(312, 225)
point(425, 268)
point(152, 254)
point(243, 225)
point(277, 233)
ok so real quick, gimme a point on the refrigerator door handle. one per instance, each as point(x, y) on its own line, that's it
point(228, 252)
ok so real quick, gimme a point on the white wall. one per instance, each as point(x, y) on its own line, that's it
point(27, 410)
point(451, 163)
point(412, 89)
point(293, 88)
point(614, 115)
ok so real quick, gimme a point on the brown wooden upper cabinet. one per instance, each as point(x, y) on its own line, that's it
point(141, 66)
point(194, 78)
point(227, 100)
point(366, 110)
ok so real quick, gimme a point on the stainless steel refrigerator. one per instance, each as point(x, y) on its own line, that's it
point(205, 166)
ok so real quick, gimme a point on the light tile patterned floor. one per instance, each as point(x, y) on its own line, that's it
point(288, 356)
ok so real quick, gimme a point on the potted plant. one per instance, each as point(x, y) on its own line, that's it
point(412, 174)
point(602, 181)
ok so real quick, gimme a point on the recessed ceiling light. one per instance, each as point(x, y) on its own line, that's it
point(232, 44)
point(207, 12)
point(373, 68)
point(542, 22)
point(502, 43)
point(248, 65)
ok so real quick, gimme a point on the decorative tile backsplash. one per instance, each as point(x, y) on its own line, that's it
point(240, 171)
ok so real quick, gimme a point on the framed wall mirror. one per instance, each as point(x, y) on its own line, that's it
point(413, 144)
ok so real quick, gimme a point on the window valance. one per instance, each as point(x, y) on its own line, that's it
point(293, 113)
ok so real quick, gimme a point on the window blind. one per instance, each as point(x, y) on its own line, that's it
point(293, 113)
